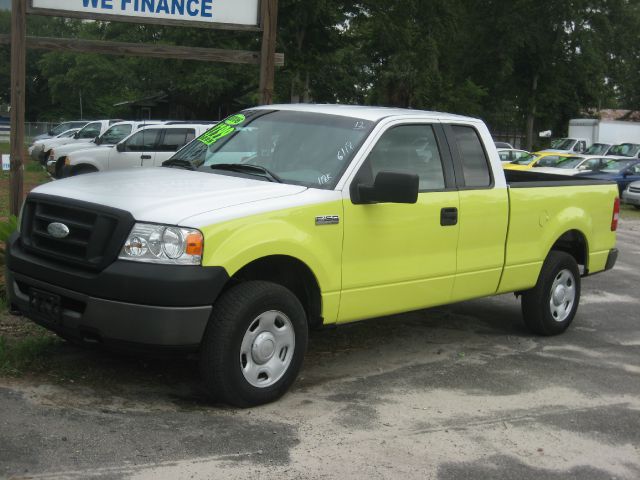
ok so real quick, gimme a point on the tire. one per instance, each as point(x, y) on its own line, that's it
point(82, 169)
point(242, 362)
point(549, 307)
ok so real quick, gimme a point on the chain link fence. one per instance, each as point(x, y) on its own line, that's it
point(31, 130)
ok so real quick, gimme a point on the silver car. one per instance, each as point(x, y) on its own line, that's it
point(631, 195)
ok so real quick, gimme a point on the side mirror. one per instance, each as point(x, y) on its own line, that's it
point(76, 135)
point(120, 147)
point(98, 141)
point(388, 187)
point(51, 133)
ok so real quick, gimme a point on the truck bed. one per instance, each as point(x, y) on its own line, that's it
point(527, 179)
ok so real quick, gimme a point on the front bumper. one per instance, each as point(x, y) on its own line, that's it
point(128, 303)
point(631, 198)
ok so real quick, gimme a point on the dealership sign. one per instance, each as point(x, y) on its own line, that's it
point(230, 12)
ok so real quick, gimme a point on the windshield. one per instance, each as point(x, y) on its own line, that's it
point(615, 166)
point(563, 144)
point(68, 133)
point(301, 148)
point(526, 160)
point(569, 162)
point(61, 128)
point(597, 149)
point(625, 150)
point(115, 134)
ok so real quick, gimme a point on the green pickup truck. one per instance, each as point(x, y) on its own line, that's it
point(285, 218)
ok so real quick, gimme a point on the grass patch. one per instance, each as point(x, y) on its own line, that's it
point(34, 175)
point(29, 354)
point(5, 147)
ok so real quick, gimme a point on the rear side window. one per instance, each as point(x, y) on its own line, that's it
point(176, 138)
point(474, 160)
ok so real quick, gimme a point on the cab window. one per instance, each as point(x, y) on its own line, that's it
point(406, 149)
point(142, 141)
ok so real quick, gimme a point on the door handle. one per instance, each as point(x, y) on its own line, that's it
point(448, 217)
point(145, 157)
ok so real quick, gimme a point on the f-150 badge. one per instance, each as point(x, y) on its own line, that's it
point(328, 220)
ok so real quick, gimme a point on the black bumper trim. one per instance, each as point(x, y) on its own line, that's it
point(88, 318)
point(124, 281)
point(611, 259)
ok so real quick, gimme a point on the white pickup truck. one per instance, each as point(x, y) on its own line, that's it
point(115, 133)
point(88, 133)
point(147, 147)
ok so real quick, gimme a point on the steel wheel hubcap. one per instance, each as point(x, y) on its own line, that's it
point(267, 349)
point(563, 295)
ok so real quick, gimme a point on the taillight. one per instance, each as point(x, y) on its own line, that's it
point(616, 214)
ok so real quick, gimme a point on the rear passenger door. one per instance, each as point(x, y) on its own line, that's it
point(172, 140)
point(483, 215)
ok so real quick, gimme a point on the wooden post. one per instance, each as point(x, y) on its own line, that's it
point(267, 55)
point(18, 73)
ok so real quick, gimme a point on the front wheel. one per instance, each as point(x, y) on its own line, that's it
point(549, 307)
point(254, 344)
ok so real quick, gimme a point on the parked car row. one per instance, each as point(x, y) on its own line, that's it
point(113, 144)
point(579, 146)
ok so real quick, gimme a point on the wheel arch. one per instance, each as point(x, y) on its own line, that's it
point(291, 273)
point(574, 242)
point(82, 166)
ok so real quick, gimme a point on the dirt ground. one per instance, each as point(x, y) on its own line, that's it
point(448, 393)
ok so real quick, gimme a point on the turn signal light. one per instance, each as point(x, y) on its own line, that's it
point(195, 244)
point(616, 214)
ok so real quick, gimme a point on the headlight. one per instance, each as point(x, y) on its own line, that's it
point(163, 244)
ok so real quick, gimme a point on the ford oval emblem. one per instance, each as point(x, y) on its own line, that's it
point(58, 230)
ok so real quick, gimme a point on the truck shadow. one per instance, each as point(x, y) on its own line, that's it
point(334, 353)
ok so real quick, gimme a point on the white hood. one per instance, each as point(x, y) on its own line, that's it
point(166, 195)
point(63, 150)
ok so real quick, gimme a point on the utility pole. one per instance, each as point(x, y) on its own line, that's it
point(267, 55)
point(18, 73)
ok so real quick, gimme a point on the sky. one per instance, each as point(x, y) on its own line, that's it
point(5, 4)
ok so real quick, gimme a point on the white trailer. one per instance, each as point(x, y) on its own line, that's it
point(612, 132)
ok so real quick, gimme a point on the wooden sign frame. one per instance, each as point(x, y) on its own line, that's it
point(266, 58)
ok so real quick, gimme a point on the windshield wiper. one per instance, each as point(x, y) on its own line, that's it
point(248, 168)
point(178, 162)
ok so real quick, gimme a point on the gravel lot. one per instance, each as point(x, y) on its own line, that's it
point(448, 393)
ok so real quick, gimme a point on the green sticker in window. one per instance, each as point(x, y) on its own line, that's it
point(224, 128)
point(235, 119)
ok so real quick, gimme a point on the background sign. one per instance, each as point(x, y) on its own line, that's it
point(231, 12)
point(6, 162)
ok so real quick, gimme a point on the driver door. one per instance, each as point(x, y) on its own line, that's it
point(401, 257)
point(135, 150)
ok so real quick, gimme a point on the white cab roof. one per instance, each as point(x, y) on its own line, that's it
point(366, 113)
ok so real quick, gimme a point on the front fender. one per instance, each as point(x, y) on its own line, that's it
point(291, 232)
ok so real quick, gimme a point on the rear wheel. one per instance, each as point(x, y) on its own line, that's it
point(550, 306)
point(254, 344)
